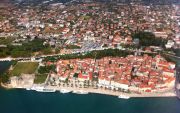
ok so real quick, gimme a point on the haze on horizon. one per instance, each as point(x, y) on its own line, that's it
point(4, 1)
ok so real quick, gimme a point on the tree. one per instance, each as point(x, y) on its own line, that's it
point(47, 51)
point(57, 50)
point(149, 39)
point(46, 69)
point(4, 78)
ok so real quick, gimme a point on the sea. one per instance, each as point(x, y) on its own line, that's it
point(23, 101)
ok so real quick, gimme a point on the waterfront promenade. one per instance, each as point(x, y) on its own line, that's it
point(168, 93)
point(115, 93)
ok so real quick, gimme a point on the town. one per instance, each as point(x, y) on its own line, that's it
point(139, 75)
point(91, 47)
point(82, 27)
point(89, 56)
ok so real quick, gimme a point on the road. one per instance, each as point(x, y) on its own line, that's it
point(80, 51)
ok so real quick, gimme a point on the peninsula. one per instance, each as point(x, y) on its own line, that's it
point(133, 76)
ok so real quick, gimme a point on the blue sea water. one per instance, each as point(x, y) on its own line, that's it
point(22, 101)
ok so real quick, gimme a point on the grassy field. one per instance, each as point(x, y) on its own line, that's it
point(40, 78)
point(24, 67)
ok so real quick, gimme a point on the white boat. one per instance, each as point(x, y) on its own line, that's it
point(123, 97)
point(80, 92)
point(28, 88)
point(41, 89)
point(37, 88)
point(32, 88)
point(49, 90)
point(64, 91)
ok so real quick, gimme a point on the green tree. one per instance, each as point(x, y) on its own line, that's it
point(149, 39)
point(4, 78)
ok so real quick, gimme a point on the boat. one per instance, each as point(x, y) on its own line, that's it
point(64, 91)
point(33, 88)
point(49, 90)
point(80, 92)
point(28, 88)
point(40, 89)
point(37, 88)
point(123, 97)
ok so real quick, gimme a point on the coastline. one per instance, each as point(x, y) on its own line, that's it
point(114, 93)
point(101, 91)
point(5, 86)
point(170, 93)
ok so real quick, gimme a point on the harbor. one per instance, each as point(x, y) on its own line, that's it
point(64, 90)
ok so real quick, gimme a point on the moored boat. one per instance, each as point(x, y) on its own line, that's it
point(37, 88)
point(64, 91)
point(49, 90)
point(80, 92)
point(123, 97)
point(28, 88)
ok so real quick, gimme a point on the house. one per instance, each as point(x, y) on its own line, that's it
point(85, 76)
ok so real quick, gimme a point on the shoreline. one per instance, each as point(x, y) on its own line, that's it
point(115, 93)
point(2, 85)
point(99, 91)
